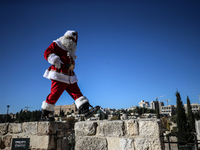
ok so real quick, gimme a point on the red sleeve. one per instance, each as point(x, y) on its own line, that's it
point(51, 49)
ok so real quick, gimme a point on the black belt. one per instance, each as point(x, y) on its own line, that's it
point(66, 65)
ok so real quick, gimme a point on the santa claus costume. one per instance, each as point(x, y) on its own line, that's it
point(61, 55)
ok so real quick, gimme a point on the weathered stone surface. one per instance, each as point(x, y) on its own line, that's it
point(30, 128)
point(42, 142)
point(91, 143)
point(1, 143)
point(110, 128)
point(149, 128)
point(90, 135)
point(142, 144)
point(45, 128)
point(85, 128)
point(132, 127)
point(120, 143)
point(15, 128)
point(152, 143)
point(7, 140)
point(197, 126)
point(4, 128)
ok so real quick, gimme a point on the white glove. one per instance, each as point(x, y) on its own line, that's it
point(58, 63)
point(55, 60)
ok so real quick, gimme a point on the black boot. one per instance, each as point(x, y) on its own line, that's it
point(84, 109)
point(45, 116)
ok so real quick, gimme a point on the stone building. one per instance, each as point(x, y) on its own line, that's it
point(154, 103)
point(144, 104)
point(66, 108)
point(195, 107)
point(168, 110)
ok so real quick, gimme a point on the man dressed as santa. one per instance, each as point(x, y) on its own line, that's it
point(61, 55)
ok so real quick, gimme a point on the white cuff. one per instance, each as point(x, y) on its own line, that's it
point(52, 58)
point(46, 106)
point(80, 101)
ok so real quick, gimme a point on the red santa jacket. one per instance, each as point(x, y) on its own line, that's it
point(64, 74)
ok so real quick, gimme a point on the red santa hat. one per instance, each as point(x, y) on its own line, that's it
point(72, 33)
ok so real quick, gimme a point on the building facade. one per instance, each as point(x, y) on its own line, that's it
point(195, 107)
point(66, 108)
point(168, 110)
point(144, 104)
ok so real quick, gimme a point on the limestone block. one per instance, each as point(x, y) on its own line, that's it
point(198, 138)
point(152, 143)
point(1, 143)
point(197, 126)
point(46, 127)
point(110, 128)
point(7, 140)
point(132, 127)
point(15, 128)
point(30, 128)
point(4, 128)
point(120, 144)
point(142, 144)
point(42, 142)
point(86, 128)
point(91, 143)
point(149, 128)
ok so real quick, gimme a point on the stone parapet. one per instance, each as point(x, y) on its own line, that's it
point(119, 135)
point(197, 127)
point(42, 134)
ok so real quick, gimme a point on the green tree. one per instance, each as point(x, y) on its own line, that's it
point(115, 118)
point(21, 116)
point(100, 115)
point(191, 121)
point(118, 116)
point(181, 118)
point(173, 118)
point(62, 113)
point(168, 125)
point(157, 109)
point(17, 116)
point(27, 116)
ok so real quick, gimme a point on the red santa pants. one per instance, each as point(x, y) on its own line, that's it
point(57, 88)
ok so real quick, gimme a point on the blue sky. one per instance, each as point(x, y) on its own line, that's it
point(127, 51)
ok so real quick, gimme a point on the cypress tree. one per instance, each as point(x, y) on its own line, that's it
point(118, 116)
point(100, 115)
point(191, 120)
point(157, 109)
point(181, 118)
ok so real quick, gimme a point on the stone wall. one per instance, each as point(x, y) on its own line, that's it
point(42, 134)
point(138, 134)
point(197, 127)
point(135, 134)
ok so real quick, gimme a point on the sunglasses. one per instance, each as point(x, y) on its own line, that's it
point(74, 33)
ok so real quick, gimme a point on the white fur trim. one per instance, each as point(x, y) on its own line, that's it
point(58, 42)
point(80, 101)
point(69, 34)
point(52, 58)
point(46, 106)
point(60, 77)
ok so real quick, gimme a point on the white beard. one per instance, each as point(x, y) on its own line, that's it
point(69, 46)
